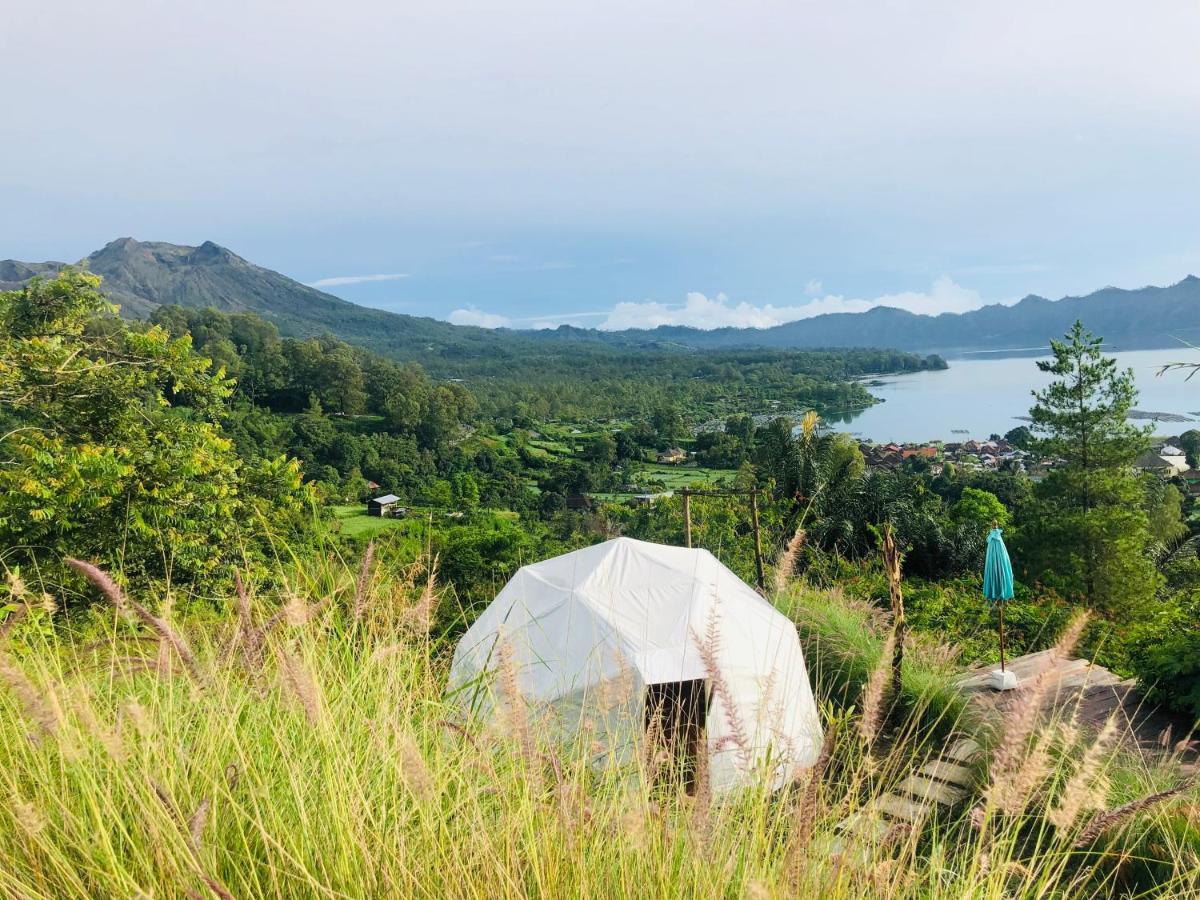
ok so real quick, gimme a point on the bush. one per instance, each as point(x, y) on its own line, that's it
point(1165, 654)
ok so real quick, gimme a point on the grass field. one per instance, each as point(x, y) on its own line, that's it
point(675, 477)
point(354, 522)
point(315, 754)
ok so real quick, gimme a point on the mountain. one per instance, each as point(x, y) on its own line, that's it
point(140, 275)
point(1144, 318)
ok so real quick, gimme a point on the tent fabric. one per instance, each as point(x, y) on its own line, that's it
point(588, 630)
point(997, 569)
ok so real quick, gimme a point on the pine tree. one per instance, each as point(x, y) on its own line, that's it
point(1086, 532)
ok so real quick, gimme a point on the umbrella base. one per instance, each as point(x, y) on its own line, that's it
point(1002, 680)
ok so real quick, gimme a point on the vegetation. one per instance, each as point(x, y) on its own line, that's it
point(318, 709)
point(306, 690)
point(1087, 534)
point(113, 445)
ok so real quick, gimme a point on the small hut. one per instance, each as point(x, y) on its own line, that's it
point(385, 506)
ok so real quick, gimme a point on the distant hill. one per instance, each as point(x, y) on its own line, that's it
point(1127, 319)
point(140, 275)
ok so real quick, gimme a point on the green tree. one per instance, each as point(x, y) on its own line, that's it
point(112, 444)
point(979, 510)
point(1086, 532)
point(1189, 442)
point(601, 450)
point(1020, 437)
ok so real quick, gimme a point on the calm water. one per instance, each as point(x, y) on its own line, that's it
point(976, 397)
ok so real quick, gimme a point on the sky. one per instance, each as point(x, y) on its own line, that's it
point(617, 164)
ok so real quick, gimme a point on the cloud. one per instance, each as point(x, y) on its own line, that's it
point(355, 279)
point(700, 311)
point(473, 315)
point(813, 288)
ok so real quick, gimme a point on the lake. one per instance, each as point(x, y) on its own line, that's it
point(977, 397)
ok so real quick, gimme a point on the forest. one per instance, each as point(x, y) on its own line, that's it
point(198, 452)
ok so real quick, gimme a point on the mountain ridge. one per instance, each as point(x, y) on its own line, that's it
point(142, 275)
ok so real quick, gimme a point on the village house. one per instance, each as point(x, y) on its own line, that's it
point(1191, 478)
point(1168, 462)
point(387, 506)
point(673, 456)
point(649, 499)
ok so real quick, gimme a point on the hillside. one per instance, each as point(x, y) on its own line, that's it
point(140, 275)
point(1143, 318)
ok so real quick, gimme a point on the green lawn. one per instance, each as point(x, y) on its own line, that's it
point(676, 477)
point(354, 521)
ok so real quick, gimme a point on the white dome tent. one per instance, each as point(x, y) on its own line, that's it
point(590, 631)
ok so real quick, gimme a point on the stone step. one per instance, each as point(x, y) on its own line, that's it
point(902, 808)
point(866, 826)
point(927, 789)
point(962, 751)
point(952, 773)
point(1091, 678)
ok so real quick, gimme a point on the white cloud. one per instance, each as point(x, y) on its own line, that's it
point(699, 311)
point(355, 279)
point(473, 315)
point(813, 288)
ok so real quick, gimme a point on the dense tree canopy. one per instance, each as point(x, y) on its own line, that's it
point(113, 447)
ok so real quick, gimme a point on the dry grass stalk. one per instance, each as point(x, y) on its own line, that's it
point(702, 801)
point(413, 770)
point(1087, 788)
point(26, 815)
point(1111, 819)
point(109, 588)
point(420, 616)
point(250, 639)
point(11, 620)
point(515, 713)
point(216, 887)
point(1013, 775)
point(362, 587)
point(295, 611)
point(709, 648)
point(386, 652)
point(196, 824)
point(106, 737)
point(891, 564)
point(302, 684)
point(785, 565)
point(654, 753)
point(873, 694)
point(806, 807)
point(138, 717)
point(42, 710)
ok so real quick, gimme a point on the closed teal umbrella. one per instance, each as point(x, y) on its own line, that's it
point(998, 579)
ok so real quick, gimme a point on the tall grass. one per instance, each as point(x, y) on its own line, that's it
point(302, 746)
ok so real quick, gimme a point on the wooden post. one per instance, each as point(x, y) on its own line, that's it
point(758, 558)
point(1001, 603)
point(687, 516)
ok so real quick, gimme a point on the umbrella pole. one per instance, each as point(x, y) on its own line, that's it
point(1001, 605)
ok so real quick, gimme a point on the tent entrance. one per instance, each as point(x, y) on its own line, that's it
point(676, 715)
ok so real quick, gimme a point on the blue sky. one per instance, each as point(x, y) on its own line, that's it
point(617, 163)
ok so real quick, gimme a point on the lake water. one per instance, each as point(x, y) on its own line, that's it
point(977, 397)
